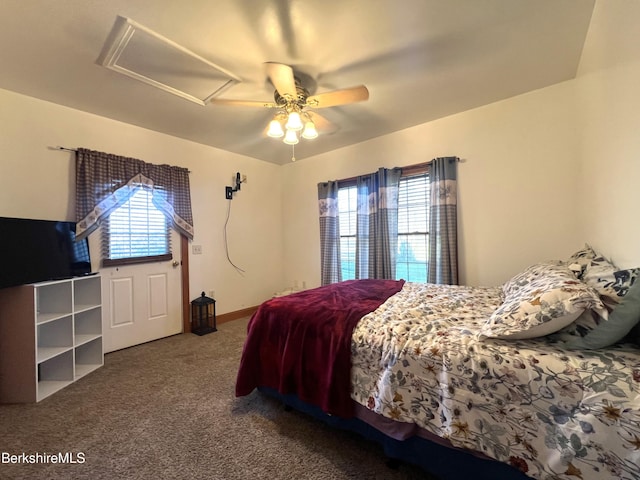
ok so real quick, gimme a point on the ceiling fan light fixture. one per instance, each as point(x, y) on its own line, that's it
point(275, 129)
point(294, 122)
point(294, 96)
point(291, 138)
point(310, 131)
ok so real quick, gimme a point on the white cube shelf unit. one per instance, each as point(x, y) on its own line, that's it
point(50, 336)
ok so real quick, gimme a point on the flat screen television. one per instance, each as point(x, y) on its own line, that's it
point(40, 250)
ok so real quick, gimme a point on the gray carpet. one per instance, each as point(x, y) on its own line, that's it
point(167, 410)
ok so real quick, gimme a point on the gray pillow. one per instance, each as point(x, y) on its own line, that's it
point(620, 322)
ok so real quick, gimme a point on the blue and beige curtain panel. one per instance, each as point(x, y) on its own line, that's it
point(443, 221)
point(377, 224)
point(105, 181)
point(329, 233)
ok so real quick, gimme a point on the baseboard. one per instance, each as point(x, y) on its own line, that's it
point(228, 317)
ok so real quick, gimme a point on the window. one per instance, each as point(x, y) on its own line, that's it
point(136, 232)
point(413, 235)
point(347, 208)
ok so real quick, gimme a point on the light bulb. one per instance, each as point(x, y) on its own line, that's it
point(275, 129)
point(310, 131)
point(291, 138)
point(293, 122)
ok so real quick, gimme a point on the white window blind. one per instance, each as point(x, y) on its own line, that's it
point(347, 210)
point(413, 233)
point(136, 231)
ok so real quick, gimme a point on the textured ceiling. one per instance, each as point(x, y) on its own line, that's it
point(420, 59)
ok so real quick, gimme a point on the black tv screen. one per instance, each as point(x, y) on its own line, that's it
point(40, 250)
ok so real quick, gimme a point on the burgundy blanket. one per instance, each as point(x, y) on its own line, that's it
point(301, 343)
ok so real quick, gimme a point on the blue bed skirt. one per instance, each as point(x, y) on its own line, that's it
point(443, 462)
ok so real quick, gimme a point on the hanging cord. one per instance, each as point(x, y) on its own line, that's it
point(226, 244)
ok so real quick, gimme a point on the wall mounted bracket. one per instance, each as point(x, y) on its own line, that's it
point(229, 191)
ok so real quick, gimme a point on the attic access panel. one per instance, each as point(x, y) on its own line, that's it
point(138, 52)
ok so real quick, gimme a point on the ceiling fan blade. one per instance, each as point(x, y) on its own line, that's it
point(339, 97)
point(281, 76)
point(242, 103)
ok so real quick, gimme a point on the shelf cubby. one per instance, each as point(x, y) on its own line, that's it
point(88, 357)
point(86, 293)
point(53, 300)
point(87, 325)
point(54, 338)
point(55, 374)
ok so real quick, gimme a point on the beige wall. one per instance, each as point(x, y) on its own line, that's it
point(609, 101)
point(37, 181)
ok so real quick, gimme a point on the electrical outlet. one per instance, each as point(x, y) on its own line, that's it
point(196, 249)
point(212, 294)
point(228, 193)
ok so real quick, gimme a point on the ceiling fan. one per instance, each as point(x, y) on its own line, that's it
point(294, 103)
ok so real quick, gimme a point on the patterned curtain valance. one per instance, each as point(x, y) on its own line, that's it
point(105, 181)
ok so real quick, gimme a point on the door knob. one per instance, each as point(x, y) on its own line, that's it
point(175, 263)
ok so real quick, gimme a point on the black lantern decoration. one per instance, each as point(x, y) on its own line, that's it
point(203, 315)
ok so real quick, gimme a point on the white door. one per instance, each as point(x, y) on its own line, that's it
point(142, 302)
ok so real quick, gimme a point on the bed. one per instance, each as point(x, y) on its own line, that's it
point(537, 378)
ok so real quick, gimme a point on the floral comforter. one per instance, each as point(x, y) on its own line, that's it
point(552, 413)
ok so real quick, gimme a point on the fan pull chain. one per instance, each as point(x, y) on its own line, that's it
point(293, 153)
